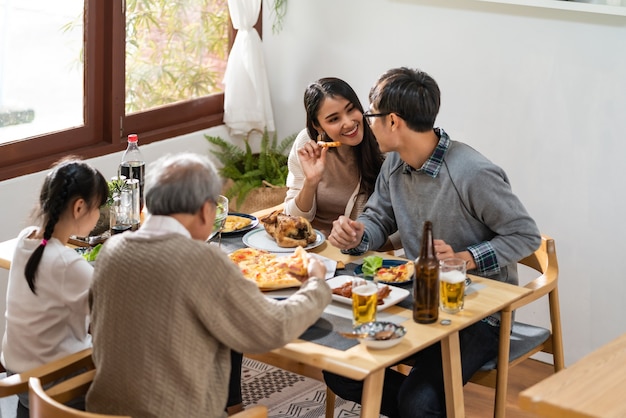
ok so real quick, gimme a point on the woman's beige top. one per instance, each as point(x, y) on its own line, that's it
point(337, 193)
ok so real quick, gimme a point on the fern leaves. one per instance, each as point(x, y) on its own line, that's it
point(248, 170)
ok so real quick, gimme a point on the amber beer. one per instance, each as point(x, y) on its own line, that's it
point(364, 302)
point(452, 289)
point(452, 284)
point(426, 283)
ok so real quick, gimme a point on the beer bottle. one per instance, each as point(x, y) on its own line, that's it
point(426, 283)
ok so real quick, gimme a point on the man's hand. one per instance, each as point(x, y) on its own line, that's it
point(443, 251)
point(315, 268)
point(346, 233)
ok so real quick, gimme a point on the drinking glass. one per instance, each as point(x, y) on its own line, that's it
point(122, 217)
point(452, 284)
point(221, 213)
point(364, 301)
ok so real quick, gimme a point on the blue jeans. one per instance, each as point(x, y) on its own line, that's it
point(421, 393)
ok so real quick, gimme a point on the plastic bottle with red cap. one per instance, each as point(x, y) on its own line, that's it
point(133, 165)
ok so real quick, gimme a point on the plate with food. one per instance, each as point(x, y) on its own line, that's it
point(237, 223)
point(387, 295)
point(261, 240)
point(282, 233)
point(388, 271)
point(271, 271)
point(89, 253)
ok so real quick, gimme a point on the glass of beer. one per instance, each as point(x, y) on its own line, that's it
point(452, 284)
point(364, 301)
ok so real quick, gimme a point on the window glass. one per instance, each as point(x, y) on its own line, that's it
point(175, 51)
point(41, 73)
point(77, 80)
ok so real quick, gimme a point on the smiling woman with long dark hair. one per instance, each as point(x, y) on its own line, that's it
point(325, 183)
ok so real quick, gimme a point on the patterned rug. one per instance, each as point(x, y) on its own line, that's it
point(288, 394)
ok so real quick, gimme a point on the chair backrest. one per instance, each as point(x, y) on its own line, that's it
point(50, 403)
point(520, 341)
point(42, 405)
point(544, 260)
point(47, 373)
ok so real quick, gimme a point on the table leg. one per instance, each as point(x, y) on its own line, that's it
point(453, 376)
point(372, 394)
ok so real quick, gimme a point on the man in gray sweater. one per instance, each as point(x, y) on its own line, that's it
point(475, 216)
point(167, 308)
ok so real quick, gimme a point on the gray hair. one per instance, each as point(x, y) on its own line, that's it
point(181, 183)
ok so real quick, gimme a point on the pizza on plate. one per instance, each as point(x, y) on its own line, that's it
point(396, 274)
point(269, 271)
point(235, 223)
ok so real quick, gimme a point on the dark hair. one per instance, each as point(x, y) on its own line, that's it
point(411, 94)
point(368, 155)
point(70, 180)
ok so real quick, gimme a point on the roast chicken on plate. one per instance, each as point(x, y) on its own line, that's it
point(289, 231)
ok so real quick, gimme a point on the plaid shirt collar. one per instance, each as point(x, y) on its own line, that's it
point(433, 164)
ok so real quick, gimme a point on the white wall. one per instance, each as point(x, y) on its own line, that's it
point(540, 92)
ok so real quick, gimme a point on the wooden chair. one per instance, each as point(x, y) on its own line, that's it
point(50, 403)
point(47, 373)
point(525, 340)
point(42, 405)
point(259, 411)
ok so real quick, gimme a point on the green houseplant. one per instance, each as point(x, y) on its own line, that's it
point(253, 172)
point(116, 186)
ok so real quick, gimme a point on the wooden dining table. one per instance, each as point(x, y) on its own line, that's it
point(592, 387)
point(362, 363)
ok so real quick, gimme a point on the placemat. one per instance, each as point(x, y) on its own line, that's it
point(229, 243)
point(322, 332)
point(337, 317)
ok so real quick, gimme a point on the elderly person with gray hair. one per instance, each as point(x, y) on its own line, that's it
point(167, 308)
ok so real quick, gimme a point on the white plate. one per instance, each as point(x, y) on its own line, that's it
point(397, 294)
point(259, 239)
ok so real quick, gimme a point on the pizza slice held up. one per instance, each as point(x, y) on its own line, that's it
point(297, 263)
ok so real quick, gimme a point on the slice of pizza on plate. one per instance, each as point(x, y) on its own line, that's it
point(269, 271)
point(396, 274)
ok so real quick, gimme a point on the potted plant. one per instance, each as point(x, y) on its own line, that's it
point(255, 180)
point(116, 186)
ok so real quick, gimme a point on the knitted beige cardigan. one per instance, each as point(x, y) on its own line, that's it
point(166, 312)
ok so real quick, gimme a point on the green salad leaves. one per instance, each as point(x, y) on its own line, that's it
point(371, 264)
point(93, 253)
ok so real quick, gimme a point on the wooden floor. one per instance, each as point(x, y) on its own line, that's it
point(479, 399)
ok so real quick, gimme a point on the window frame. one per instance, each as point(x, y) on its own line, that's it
point(106, 125)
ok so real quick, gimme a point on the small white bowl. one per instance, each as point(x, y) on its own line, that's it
point(373, 327)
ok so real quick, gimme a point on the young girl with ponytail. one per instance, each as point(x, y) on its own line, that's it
point(47, 314)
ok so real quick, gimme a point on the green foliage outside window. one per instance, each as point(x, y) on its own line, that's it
point(175, 50)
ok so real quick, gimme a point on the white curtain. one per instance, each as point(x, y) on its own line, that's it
point(247, 103)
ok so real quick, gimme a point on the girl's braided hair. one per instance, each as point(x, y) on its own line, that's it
point(71, 179)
